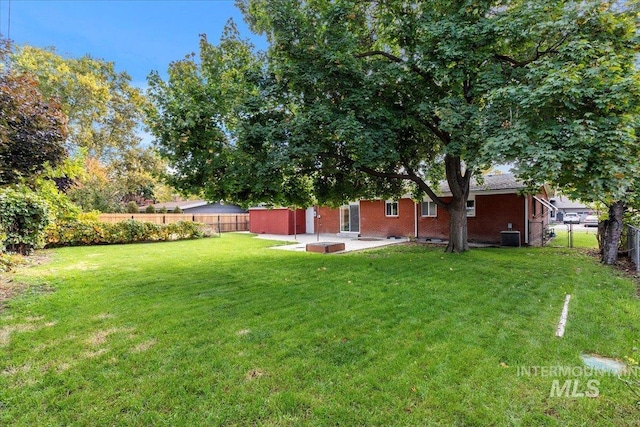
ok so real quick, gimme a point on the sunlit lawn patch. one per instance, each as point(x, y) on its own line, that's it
point(227, 332)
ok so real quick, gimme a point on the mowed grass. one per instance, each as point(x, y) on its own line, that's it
point(226, 332)
point(581, 238)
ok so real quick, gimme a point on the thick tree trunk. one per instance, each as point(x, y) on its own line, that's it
point(459, 186)
point(458, 226)
point(612, 233)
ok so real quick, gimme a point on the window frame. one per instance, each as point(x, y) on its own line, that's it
point(388, 204)
point(429, 202)
point(471, 211)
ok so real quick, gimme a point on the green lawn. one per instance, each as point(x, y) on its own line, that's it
point(581, 238)
point(226, 332)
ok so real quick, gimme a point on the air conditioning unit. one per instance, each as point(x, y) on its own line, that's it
point(510, 238)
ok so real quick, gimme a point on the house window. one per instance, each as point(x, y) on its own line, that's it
point(391, 208)
point(429, 208)
point(471, 206)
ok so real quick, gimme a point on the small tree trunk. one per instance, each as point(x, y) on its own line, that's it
point(612, 233)
point(458, 226)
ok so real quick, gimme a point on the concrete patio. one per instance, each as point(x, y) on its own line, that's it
point(299, 242)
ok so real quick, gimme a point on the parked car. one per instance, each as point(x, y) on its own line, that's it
point(590, 221)
point(571, 218)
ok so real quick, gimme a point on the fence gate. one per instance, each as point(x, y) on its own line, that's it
point(633, 245)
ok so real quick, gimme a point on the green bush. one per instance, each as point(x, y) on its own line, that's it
point(85, 232)
point(24, 217)
point(150, 209)
point(177, 210)
point(132, 207)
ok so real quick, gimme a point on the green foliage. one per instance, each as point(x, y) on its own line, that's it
point(177, 210)
point(103, 108)
point(91, 232)
point(24, 217)
point(150, 209)
point(32, 126)
point(9, 261)
point(105, 112)
point(372, 99)
point(60, 206)
point(132, 207)
point(569, 109)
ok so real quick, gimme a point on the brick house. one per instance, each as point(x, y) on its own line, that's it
point(496, 208)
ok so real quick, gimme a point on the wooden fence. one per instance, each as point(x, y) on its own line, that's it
point(221, 222)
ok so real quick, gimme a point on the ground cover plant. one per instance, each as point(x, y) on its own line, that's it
point(227, 332)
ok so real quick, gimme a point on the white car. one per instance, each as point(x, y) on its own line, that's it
point(571, 218)
point(590, 221)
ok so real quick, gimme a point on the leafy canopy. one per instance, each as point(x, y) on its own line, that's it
point(32, 126)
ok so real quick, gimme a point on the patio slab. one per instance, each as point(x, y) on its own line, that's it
point(299, 242)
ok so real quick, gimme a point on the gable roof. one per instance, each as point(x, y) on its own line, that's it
point(182, 204)
point(505, 181)
point(562, 202)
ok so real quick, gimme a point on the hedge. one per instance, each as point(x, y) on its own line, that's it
point(88, 232)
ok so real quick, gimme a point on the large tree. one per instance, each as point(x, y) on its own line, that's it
point(103, 108)
point(105, 118)
point(572, 119)
point(361, 99)
point(32, 126)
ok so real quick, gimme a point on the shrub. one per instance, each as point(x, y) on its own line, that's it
point(9, 261)
point(150, 209)
point(132, 207)
point(177, 210)
point(23, 220)
point(83, 232)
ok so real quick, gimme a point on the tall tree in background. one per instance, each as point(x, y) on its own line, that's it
point(32, 126)
point(104, 110)
point(105, 115)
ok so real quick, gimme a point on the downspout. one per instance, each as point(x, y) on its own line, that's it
point(526, 220)
point(415, 218)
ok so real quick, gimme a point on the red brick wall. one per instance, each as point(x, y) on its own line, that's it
point(434, 227)
point(329, 221)
point(276, 221)
point(493, 213)
point(375, 223)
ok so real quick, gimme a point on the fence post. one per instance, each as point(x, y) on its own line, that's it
point(637, 253)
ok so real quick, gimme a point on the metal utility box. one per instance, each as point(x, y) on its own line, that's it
point(510, 238)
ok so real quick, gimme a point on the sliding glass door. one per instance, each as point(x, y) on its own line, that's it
point(350, 218)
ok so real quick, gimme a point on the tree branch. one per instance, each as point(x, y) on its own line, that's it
point(396, 59)
point(537, 55)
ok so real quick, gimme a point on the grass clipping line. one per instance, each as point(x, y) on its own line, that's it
point(563, 317)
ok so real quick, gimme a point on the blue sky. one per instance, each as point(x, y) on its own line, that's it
point(138, 35)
